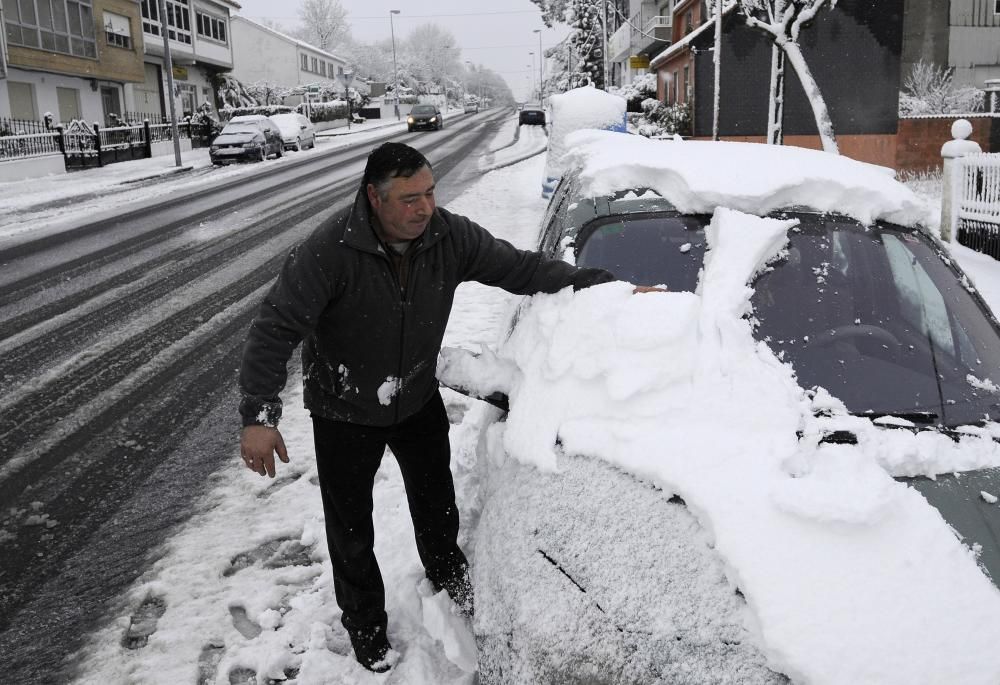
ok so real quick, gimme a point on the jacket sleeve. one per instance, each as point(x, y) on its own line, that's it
point(496, 262)
point(288, 314)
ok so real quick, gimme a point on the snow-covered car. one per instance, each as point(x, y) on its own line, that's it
point(786, 468)
point(425, 116)
point(297, 132)
point(471, 108)
point(250, 138)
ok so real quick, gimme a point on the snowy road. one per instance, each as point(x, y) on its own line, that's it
point(119, 345)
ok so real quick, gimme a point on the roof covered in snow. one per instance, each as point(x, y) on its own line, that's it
point(700, 176)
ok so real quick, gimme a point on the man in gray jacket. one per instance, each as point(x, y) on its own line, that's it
point(369, 294)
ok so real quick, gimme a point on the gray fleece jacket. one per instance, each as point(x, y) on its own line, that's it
point(371, 343)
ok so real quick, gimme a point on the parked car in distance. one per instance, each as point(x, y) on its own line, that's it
point(471, 108)
point(577, 568)
point(250, 138)
point(532, 115)
point(297, 132)
point(425, 116)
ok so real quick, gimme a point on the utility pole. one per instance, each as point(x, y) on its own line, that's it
point(604, 35)
point(169, 62)
point(395, 72)
point(541, 63)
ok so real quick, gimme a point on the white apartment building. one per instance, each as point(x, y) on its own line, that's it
point(643, 31)
point(200, 47)
point(262, 54)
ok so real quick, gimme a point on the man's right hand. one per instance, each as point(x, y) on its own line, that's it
point(258, 445)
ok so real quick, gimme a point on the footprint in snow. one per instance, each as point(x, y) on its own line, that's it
point(143, 622)
point(278, 553)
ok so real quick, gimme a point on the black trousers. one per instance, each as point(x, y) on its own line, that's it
point(347, 456)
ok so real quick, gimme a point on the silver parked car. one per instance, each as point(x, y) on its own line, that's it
point(297, 132)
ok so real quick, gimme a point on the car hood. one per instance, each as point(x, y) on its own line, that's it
point(237, 138)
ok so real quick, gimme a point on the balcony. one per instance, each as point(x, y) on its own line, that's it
point(655, 35)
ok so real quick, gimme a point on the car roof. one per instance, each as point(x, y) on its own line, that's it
point(697, 177)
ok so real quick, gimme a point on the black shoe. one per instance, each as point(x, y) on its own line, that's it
point(459, 588)
point(371, 648)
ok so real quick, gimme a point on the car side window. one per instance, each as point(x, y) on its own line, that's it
point(646, 249)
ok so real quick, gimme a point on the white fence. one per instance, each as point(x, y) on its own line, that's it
point(978, 211)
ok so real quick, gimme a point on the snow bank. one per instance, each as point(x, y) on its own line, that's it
point(698, 176)
point(844, 568)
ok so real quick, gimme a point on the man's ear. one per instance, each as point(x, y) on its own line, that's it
point(373, 197)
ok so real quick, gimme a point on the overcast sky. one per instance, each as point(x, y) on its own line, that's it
point(496, 33)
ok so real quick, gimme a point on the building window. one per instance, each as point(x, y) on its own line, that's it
point(22, 101)
point(996, 7)
point(118, 30)
point(322, 68)
point(305, 63)
point(675, 85)
point(65, 26)
point(688, 22)
point(315, 65)
point(687, 83)
point(211, 27)
point(178, 19)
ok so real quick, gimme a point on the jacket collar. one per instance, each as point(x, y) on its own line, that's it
point(360, 234)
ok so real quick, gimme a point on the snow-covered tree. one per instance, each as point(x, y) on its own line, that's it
point(267, 92)
point(232, 93)
point(580, 59)
point(715, 10)
point(928, 89)
point(782, 20)
point(323, 24)
point(587, 39)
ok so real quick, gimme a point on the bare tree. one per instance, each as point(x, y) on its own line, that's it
point(929, 89)
point(324, 23)
point(783, 20)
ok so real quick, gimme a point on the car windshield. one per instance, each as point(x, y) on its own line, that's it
point(240, 128)
point(874, 315)
point(423, 109)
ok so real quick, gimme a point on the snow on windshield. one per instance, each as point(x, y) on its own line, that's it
point(673, 387)
point(698, 176)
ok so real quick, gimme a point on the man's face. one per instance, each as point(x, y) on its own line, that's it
point(407, 207)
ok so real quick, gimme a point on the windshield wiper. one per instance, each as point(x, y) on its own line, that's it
point(922, 417)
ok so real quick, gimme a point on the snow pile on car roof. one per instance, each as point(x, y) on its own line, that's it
point(698, 176)
point(584, 108)
point(852, 577)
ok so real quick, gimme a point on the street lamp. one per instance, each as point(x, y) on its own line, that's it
point(532, 72)
point(541, 65)
point(395, 73)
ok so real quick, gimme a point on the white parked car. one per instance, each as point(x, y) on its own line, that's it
point(297, 132)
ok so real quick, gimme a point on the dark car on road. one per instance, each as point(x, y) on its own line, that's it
point(532, 115)
point(425, 117)
point(877, 314)
point(251, 138)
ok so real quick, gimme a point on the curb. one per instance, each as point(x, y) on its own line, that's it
point(513, 161)
point(153, 177)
